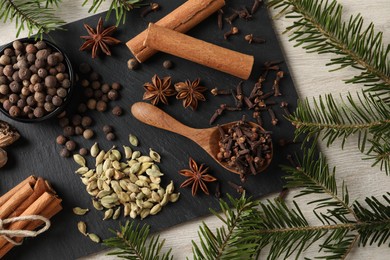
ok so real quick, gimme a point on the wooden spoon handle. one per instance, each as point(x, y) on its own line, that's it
point(154, 116)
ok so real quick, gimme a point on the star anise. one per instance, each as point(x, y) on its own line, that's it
point(197, 177)
point(158, 90)
point(190, 92)
point(99, 39)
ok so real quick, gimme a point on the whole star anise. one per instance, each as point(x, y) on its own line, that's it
point(158, 90)
point(99, 39)
point(197, 177)
point(190, 92)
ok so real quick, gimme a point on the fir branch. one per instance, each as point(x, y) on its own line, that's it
point(225, 244)
point(318, 27)
point(132, 243)
point(120, 7)
point(30, 15)
point(368, 117)
point(313, 176)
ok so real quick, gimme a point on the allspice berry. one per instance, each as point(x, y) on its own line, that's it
point(83, 151)
point(64, 153)
point(88, 134)
point(107, 129)
point(113, 94)
point(70, 145)
point(61, 140)
point(117, 111)
point(132, 64)
point(110, 136)
point(101, 106)
point(168, 64)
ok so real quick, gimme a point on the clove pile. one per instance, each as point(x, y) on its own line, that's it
point(245, 147)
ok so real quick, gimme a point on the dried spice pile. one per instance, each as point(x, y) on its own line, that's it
point(134, 184)
point(245, 147)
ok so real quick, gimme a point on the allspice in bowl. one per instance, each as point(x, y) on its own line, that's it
point(36, 80)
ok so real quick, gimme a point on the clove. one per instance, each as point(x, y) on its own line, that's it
point(284, 106)
point(233, 30)
point(151, 8)
point(255, 6)
point(243, 13)
point(216, 91)
point(274, 120)
point(250, 38)
point(276, 86)
point(238, 188)
point(220, 19)
point(231, 18)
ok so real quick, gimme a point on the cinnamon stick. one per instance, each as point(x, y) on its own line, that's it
point(17, 199)
point(31, 179)
point(52, 209)
point(39, 189)
point(182, 19)
point(207, 54)
point(35, 209)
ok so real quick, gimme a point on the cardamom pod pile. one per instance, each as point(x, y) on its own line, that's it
point(8, 135)
point(134, 184)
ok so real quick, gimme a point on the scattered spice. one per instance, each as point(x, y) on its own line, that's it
point(133, 64)
point(190, 92)
point(220, 19)
point(168, 64)
point(255, 6)
point(233, 31)
point(197, 177)
point(117, 111)
point(158, 90)
point(153, 7)
point(99, 39)
point(252, 39)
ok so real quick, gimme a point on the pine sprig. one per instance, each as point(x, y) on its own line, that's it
point(314, 176)
point(132, 242)
point(318, 27)
point(224, 243)
point(368, 117)
point(30, 15)
point(120, 7)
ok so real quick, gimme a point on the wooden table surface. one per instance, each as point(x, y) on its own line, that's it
point(311, 78)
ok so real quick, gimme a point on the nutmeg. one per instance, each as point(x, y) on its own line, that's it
point(8, 134)
point(3, 158)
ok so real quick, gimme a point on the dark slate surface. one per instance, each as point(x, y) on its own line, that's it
point(36, 153)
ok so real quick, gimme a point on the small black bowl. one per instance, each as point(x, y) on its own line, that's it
point(66, 99)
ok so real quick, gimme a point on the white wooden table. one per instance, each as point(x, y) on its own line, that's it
point(311, 78)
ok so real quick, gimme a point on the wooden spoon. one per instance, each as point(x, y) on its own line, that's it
point(206, 138)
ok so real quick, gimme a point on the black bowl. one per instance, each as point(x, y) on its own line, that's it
point(66, 99)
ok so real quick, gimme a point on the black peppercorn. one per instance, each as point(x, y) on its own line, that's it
point(52, 60)
point(43, 54)
point(91, 104)
point(116, 86)
point(18, 45)
point(30, 48)
point(49, 107)
point(88, 134)
point(15, 87)
point(61, 92)
point(42, 73)
point(7, 104)
point(24, 73)
point(65, 83)
point(76, 120)
point(13, 98)
point(4, 89)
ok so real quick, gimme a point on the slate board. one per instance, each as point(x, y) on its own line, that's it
point(36, 153)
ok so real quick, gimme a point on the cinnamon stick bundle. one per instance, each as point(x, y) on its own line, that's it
point(182, 19)
point(204, 53)
point(30, 197)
